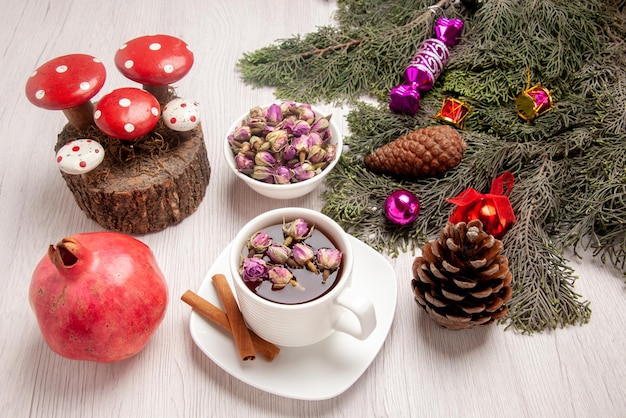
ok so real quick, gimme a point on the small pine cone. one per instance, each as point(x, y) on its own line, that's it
point(462, 279)
point(425, 152)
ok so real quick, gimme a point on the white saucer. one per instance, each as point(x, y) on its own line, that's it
point(320, 371)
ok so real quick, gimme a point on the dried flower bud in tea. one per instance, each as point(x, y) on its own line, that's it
point(254, 269)
point(328, 260)
point(296, 230)
point(278, 254)
point(280, 277)
point(259, 242)
point(303, 255)
point(308, 262)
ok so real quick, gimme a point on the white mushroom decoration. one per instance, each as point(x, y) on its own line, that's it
point(80, 156)
point(181, 115)
point(155, 61)
point(127, 113)
point(68, 83)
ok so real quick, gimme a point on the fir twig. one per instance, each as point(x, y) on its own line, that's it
point(569, 164)
point(543, 292)
point(335, 64)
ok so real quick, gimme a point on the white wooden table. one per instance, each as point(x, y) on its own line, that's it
point(421, 370)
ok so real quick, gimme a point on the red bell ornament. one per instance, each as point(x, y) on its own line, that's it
point(494, 209)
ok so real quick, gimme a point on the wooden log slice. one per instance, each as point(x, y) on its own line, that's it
point(146, 192)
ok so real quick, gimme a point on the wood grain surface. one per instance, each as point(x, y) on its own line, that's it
point(421, 370)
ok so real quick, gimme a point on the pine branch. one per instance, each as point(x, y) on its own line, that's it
point(336, 64)
point(569, 164)
point(543, 293)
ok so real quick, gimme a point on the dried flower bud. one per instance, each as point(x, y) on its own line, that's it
point(286, 106)
point(331, 152)
point(315, 139)
point(242, 134)
point(301, 128)
point(256, 142)
point(321, 125)
point(290, 153)
point(278, 254)
point(256, 112)
point(274, 115)
point(280, 277)
point(304, 171)
point(277, 139)
point(263, 173)
point(303, 254)
point(302, 144)
point(256, 125)
point(306, 114)
point(282, 175)
point(288, 124)
point(317, 154)
point(265, 158)
point(328, 260)
point(259, 242)
point(246, 149)
point(296, 230)
point(244, 163)
point(254, 269)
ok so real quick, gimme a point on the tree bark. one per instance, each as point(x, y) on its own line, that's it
point(148, 195)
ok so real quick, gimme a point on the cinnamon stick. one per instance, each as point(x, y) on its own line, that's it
point(235, 319)
point(218, 317)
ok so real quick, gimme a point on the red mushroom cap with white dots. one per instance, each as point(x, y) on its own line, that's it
point(154, 60)
point(65, 82)
point(127, 113)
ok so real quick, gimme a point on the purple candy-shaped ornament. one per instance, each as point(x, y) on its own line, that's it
point(426, 66)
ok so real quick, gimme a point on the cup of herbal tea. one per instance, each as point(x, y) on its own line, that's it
point(292, 273)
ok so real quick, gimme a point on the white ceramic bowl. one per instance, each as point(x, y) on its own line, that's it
point(284, 191)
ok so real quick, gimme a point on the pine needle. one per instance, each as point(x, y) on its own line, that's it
point(569, 164)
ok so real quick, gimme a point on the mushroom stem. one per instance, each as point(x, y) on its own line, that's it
point(162, 93)
point(80, 117)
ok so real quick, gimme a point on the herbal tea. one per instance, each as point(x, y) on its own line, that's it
point(290, 263)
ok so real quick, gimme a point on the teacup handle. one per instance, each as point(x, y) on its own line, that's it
point(359, 306)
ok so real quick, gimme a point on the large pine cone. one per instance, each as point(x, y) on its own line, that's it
point(425, 152)
point(462, 279)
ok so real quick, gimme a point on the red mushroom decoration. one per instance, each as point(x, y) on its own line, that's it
point(155, 61)
point(68, 83)
point(127, 113)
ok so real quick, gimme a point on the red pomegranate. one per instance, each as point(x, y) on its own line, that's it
point(98, 296)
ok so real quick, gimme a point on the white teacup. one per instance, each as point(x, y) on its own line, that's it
point(343, 308)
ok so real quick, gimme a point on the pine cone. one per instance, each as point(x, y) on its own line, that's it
point(425, 152)
point(462, 279)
